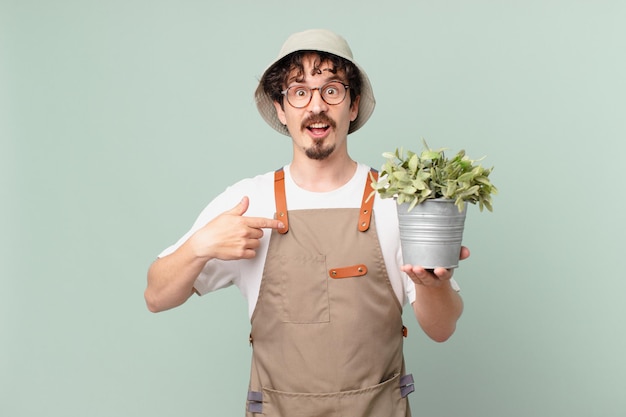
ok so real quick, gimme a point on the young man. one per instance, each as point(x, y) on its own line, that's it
point(319, 263)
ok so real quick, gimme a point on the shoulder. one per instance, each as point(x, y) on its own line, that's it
point(258, 189)
point(253, 184)
point(386, 205)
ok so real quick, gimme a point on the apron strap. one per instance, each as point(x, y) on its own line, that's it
point(281, 200)
point(367, 203)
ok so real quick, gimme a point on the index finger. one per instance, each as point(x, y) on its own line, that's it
point(264, 223)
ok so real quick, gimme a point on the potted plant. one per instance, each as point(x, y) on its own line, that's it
point(432, 191)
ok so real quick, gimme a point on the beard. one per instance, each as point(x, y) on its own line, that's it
point(319, 152)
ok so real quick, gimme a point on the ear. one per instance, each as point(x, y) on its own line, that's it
point(354, 108)
point(280, 112)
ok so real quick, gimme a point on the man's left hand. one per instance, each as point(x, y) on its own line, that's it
point(432, 277)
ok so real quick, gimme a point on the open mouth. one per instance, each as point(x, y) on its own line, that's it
point(318, 128)
point(318, 125)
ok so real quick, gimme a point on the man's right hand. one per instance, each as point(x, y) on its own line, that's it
point(231, 235)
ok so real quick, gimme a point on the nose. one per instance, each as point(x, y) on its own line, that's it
point(317, 104)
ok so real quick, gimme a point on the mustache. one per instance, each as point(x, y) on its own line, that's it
point(318, 118)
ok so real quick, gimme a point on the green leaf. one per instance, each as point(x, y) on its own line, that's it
point(432, 155)
point(413, 163)
point(400, 175)
point(450, 189)
point(468, 176)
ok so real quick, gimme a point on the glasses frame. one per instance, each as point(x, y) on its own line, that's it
point(319, 89)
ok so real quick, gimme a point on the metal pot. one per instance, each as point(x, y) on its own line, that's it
point(431, 233)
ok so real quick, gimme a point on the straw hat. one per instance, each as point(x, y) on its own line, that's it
point(316, 40)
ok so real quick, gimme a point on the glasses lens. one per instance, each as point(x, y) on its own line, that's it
point(333, 93)
point(298, 95)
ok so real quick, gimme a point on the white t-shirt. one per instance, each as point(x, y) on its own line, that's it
point(246, 274)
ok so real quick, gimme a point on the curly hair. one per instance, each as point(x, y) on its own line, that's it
point(275, 78)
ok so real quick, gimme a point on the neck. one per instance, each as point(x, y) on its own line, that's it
point(322, 176)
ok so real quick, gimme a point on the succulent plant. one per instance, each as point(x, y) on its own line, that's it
point(414, 178)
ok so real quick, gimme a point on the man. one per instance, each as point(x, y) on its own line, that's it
point(318, 262)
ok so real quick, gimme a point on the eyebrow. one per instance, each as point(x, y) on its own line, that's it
point(298, 80)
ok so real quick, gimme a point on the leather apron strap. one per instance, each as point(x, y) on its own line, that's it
point(281, 200)
point(280, 197)
point(367, 203)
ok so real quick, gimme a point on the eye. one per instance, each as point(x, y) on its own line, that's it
point(331, 90)
point(299, 92)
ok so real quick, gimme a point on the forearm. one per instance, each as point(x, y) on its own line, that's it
point(171, 279)
point(437, 310)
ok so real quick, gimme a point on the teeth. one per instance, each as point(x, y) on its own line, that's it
point(318, 126)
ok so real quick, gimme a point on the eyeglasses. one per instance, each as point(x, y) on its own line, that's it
point(332, 93)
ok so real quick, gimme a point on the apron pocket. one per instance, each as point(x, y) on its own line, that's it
point(382, 400)
point(304, 289)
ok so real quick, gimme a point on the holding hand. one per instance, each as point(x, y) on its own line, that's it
point(432, 277)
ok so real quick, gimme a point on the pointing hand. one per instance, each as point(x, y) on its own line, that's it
point(231, 235)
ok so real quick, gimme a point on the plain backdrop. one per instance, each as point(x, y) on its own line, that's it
point(120, 120)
